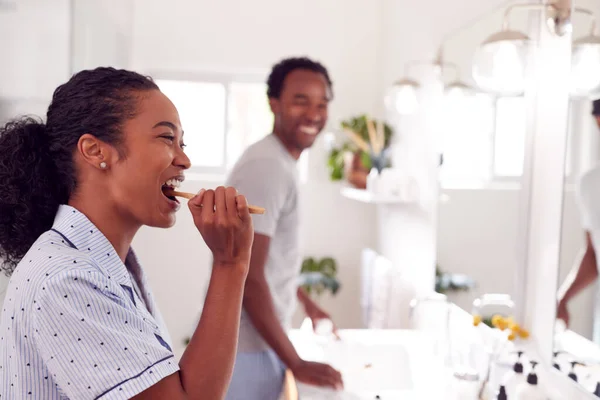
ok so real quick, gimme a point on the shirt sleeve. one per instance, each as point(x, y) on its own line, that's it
point(94, 342)
point(266, 184)
point(583, 201)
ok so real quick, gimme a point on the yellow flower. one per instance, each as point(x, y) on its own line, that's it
point(512, 336)
point(497, 320)
point(513, 326)
point(476, 320)
point(524, 333)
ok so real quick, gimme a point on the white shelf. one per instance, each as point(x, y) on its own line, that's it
point(368, 197)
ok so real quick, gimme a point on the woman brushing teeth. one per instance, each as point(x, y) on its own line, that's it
point(79, 320)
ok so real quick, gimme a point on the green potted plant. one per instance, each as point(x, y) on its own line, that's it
point(318, 276)
point(446, 282)
point(367, 147)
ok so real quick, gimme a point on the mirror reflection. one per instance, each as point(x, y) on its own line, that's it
point(577, 329)
point(577, 350)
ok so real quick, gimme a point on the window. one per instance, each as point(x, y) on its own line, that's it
point(220, 117)
point(201, 107)
point(484, 141)
point(467, 140)
point(509, 137)
point(249, 117)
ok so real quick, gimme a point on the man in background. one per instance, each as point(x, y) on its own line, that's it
point(585, 272)
point(299, 91)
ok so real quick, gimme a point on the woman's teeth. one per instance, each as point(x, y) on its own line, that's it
point(172, 183)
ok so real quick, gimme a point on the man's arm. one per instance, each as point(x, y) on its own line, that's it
point(258, 303)
point(271, 190)
point(580, 277)
point(303, 298)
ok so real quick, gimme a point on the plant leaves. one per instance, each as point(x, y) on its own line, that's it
point(319, 276)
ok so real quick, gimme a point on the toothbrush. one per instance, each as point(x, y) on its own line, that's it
point(189, 196)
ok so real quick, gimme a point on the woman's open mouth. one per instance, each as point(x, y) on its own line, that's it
point(169, 186)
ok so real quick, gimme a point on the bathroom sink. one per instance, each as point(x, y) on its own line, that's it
point(388, 363)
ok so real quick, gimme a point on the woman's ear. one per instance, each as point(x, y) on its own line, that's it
point(95, 152)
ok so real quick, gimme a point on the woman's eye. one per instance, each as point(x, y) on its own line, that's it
point(183, 145)
point(168, 137)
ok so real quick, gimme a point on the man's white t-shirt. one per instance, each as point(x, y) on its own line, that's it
point(589, 203)
point(267, 175)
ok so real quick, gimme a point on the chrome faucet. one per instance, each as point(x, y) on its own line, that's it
point(436, 298)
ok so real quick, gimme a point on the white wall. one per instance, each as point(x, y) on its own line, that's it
point(34, 61)
point(27, 78)
point(242, 37)
point(477, 236)
point(102, 33)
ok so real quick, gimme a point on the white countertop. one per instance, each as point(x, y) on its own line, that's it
point(391, 364)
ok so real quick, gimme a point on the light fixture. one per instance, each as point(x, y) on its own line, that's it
point(403, 95)
point(585, 59)
point(457, 92)
point(499, 63)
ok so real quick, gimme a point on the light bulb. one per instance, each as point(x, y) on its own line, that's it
point(405, 100)
point(457, 93)
point(499, 66)
point(507, 65)
point(402, 97)
point(585, 67)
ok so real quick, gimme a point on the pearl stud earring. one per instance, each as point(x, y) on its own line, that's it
point(103, 165)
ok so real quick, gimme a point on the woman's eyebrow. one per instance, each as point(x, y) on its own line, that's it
point(167, 124)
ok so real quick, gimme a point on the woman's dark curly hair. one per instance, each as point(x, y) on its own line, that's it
point(36, 159)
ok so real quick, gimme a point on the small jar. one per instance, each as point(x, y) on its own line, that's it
point(465, 385)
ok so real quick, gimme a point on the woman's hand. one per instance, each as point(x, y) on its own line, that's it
point(223, 219)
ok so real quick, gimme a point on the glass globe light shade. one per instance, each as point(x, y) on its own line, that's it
point(457, 92)
point(585, 64)
point(499, 64)
point(402, 97)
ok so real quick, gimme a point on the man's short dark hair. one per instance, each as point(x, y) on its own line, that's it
point(596, 108)
point(284, 67)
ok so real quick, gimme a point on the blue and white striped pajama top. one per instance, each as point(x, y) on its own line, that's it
point(75, 323)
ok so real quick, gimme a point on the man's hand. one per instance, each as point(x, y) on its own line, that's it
point(316, 314)
point(317, 374)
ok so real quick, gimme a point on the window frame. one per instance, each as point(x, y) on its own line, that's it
point(505, 181)
point(498, 178)
point(226, 79)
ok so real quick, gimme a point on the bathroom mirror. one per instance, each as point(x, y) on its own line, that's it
point(577, 328)
point(483, 147)
point(577, 331)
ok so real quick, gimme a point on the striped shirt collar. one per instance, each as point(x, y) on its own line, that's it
point(83, 235)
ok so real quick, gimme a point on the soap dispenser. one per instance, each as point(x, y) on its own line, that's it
point(556, 364)
point(515, 377)
point(530, 390)
point(501, 393)
point(572, 373)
